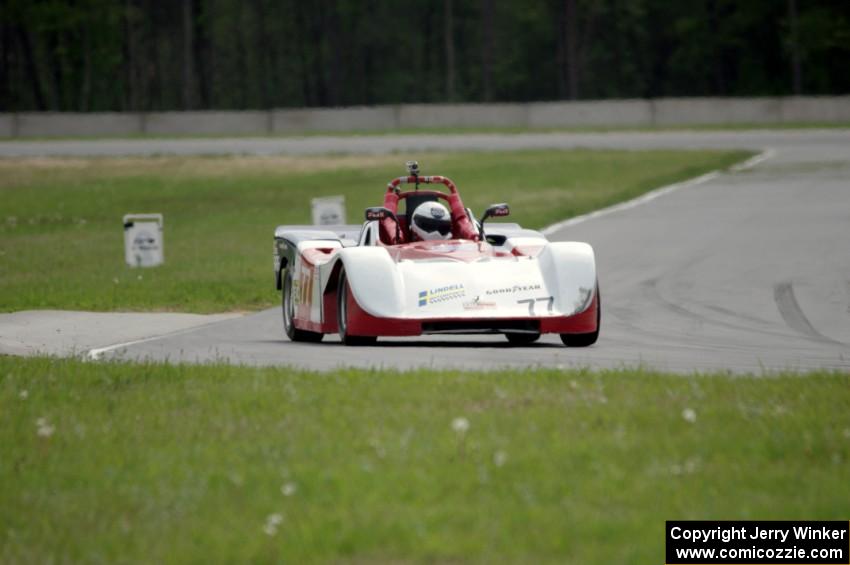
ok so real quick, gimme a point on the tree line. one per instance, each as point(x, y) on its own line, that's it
point(141, 55)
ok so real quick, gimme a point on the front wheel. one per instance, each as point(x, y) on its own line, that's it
point(521, 339)
point(288, 307)
point(584, 340)
point(342, 316)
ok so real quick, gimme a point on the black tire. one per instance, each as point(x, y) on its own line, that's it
point(288, 310)
point(521, 339)
point(584, 340)
point(342, 316)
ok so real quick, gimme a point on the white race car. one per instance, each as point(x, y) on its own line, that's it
point(383, 279)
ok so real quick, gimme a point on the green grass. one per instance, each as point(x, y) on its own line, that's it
point(61, 241)
point(159, 463)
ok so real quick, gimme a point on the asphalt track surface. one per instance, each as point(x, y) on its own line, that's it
point(745, 271)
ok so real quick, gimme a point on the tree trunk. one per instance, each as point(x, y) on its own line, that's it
point(302, 43)
point(188, 56)
point(53, 62)
point(718, 60)
point(487, 48)
point(85, 87)
point(561, 53)
point(5, 71)
point(317, 34)
point(131, 95)
point(448, 35)
point(32, 70)
point(202, 54)
point(796, 64)
point(266, 48)
point(572, 48)
point(241, 58)
point(334, 32)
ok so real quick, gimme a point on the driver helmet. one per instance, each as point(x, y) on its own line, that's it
point(431, 221)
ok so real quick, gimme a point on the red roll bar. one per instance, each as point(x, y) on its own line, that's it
point(392, 186)
point(463, 228)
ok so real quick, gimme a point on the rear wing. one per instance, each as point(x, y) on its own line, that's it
point(287, 238)
point(346, 234)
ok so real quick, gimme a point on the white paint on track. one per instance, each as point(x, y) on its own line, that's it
point(768, 153)
point(657, 193)
point(97, 353)
point(71, 333)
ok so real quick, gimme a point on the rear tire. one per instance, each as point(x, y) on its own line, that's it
point(342, 316)
point(584, 340)
point(521, 339)
point(288, 308)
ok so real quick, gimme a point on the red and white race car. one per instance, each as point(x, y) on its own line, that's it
point(385, 278)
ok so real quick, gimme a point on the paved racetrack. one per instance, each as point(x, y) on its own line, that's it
point(747, 271)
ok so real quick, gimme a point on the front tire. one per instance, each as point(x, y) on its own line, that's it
point(521, 339)
point(288, 308)
point(342, 316)
point(585, 340)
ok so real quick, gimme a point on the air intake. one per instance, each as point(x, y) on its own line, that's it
point(481, 326)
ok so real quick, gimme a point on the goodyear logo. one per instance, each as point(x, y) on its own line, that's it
point(441, 294)
point(514, 289)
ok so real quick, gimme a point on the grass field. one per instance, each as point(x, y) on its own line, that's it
point(106, 463)
point(118, 462)
point(61, 244)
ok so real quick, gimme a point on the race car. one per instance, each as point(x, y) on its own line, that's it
point(433, 268)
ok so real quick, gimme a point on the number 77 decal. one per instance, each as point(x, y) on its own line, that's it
point(550, 300)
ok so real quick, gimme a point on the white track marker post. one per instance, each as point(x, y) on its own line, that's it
point(143, 243)
point(329, 211)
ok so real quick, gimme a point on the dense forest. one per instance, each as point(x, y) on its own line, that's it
point(96, 55)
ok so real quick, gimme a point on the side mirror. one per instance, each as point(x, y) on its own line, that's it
point(494, 211)
point(381, 213)
point(378, 213)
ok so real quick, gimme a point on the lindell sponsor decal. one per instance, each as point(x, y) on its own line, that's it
point(441, 294)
